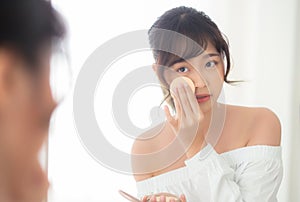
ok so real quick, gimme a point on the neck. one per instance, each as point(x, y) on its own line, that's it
point(205, 123)
point(213, 123)
point(210, 128)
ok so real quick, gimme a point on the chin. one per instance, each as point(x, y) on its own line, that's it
point(206, 106)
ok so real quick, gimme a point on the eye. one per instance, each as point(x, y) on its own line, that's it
point(211, 64)
point(182, 69)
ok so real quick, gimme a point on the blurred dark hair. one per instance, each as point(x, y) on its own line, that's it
point(192, 24)
point(26, 26)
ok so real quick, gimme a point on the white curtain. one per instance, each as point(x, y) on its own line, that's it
point(264, 38)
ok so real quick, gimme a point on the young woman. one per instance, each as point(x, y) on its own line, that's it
point(233, 152)
point(28, 30)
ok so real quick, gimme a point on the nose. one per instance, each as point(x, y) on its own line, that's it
point(198, 80)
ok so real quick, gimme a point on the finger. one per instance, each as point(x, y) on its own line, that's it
point(145, 199)
point(153, 199)
point(169, 117)
point(181, 102)
point(162, 198)
point(191, 97)
point(193, 102)
point(184, 102)
point(178, 108)
point(182, 198)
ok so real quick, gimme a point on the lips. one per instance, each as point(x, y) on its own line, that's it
point(200, 96)
point(203, 97)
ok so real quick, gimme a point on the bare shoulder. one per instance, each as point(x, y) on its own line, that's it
point(148, 142)
point(266, 128)
point(263, 125)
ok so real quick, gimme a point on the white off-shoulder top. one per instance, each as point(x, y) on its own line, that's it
point(252, 173)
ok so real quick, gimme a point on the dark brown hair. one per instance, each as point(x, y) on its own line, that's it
point(26, 26)
point(194, 25)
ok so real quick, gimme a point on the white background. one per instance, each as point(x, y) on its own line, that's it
point(264, 47)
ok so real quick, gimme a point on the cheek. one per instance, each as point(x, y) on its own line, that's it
point(28, 130)
point(222, 71)
point(218, 86)
point(27, 122)
point(25, 143)
point(168, 75)
point(22, 137)
point(215, 80)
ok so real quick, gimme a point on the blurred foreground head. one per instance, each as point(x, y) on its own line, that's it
point(28, 30)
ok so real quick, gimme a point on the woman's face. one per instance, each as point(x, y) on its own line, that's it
point(25, 109)
point(207, 73)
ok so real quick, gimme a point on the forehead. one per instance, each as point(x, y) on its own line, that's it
point(210, 51)
point(210, 48)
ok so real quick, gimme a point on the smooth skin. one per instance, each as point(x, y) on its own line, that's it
point(26, 105)
point(243, 126)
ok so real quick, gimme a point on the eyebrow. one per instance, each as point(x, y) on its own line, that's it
point(177, 61)
point(211, 55)
point(204, 57)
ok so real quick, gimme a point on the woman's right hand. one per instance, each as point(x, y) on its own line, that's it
point(188, 113)
point(163, 198)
